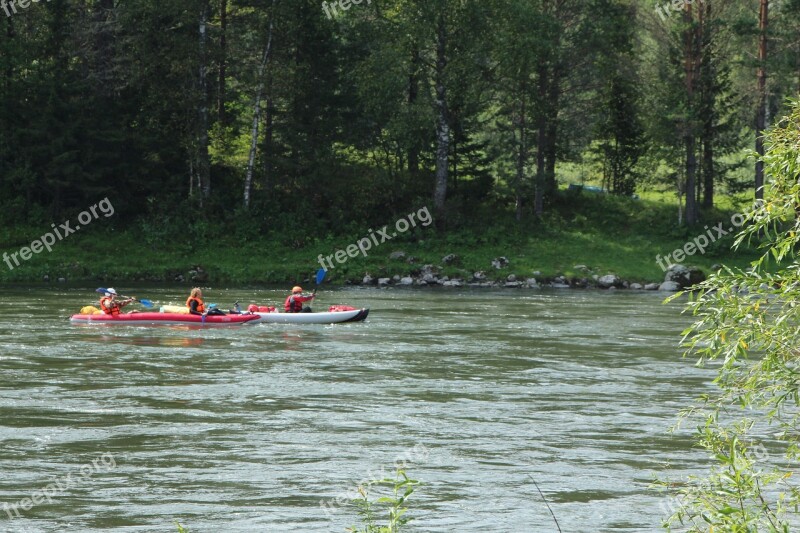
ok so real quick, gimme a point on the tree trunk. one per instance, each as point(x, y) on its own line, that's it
point(413, 93)
point(248, 182)
point(761, 114)
point(102, 53)
point(522, 150)
point(442, 125)
point(223, 58)
point(541, 142)
point(553, 97)
point(709, 105)
point(689, 136)
point(203, 162)
point(268, 133)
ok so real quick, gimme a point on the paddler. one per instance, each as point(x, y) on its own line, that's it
point(110, 305)
point(294, 302)
point(196, 305)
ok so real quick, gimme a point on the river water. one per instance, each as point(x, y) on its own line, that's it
point(483, 394)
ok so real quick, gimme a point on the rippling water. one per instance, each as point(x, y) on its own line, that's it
point(253, 428)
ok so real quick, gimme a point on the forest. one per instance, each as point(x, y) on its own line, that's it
point(309, 118)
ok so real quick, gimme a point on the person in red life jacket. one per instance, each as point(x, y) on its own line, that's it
point(294, 302)
point(196, 305)
point(110, 305)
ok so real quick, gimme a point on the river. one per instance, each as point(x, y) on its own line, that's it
point(483, 394)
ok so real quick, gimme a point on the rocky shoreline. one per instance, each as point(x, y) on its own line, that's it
point(677, 277)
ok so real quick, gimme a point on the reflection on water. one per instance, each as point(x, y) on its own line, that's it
point(250, 428)
point(148, 341)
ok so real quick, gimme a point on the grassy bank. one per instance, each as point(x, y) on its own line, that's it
point(607, 234)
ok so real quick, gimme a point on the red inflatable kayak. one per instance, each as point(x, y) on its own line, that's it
point(164, 318)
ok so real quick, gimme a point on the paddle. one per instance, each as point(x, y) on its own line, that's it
point(320, 278)
point(143, 301)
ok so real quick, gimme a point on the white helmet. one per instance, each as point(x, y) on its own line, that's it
point(111, 291)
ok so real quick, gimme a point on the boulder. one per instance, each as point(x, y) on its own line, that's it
point(636, 286)
point(429, 269)
point(396, 278)
point(383, 282)
point(408, 280)
point(453, 283)
point(511, 278)
point(198, 275)
point(397, 256)
point(499, 262)
point(684, 276)
point(531, 283)
point(580, 267)
point(62, 280)
point(429, 279)
point(651, 287)
point(368, 280)
point(608, 281)
point(479, 276)
point(45, 278)
point(669, 286)
point(556, 285)
point(513, 284)
point(450, 259)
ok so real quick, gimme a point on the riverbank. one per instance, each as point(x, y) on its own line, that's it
point(582, 241)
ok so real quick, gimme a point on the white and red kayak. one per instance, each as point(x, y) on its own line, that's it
point(337, 314)
point(165, 318)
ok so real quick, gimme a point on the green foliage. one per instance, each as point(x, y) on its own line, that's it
point(747, 325)
point(395, 505)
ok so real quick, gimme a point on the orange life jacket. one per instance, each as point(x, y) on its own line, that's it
point(111, 309)
point(294, 303)
point(200, 307)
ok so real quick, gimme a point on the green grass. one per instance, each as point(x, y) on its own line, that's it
point(606, 233)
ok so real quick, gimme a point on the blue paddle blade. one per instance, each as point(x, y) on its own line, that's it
point(146, 303)
point(101, 289)
point(321, 275)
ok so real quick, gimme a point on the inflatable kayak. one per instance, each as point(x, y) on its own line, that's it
point(164, 318)
point(333, 316)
